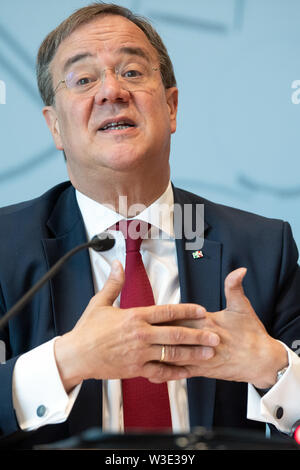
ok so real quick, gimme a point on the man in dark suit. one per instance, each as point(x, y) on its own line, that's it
point(111, 103)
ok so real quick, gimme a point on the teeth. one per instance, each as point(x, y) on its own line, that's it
point(116, 125)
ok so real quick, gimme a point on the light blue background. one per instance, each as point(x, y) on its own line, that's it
point(238, 129)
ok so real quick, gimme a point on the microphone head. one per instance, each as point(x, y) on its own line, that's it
point(102, 242)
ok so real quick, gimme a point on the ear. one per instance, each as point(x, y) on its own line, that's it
point(51, 118)
point(172, 102)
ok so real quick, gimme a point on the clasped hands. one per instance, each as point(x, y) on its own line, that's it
point(112, 343)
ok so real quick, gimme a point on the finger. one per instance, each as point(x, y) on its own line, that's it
point(112, 286)
point(174, 335)
point(182, 355)
point(169, 313)
point(234, 291)
point(160, 372)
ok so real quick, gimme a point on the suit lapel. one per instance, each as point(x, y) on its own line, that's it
point(199, 280)
point(72, 287)
point(71, 290)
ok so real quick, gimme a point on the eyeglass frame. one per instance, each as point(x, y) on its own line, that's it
point(155, 69)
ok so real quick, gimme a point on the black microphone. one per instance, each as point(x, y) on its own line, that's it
point(102, 242)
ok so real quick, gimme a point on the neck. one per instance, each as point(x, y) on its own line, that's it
point(126, 194)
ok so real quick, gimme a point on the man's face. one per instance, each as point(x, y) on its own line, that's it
point(78, 121)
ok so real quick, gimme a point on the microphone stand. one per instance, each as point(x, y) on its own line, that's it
point(102, 242)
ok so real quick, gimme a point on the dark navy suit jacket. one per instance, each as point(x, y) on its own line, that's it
point(35, 234)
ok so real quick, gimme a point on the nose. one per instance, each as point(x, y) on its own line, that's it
point(111, 89)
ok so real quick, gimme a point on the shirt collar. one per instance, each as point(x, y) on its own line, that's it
point(98, 217)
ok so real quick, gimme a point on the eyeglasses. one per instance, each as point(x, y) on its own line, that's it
point(85, 79)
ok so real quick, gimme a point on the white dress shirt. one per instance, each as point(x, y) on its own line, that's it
point(36, 380)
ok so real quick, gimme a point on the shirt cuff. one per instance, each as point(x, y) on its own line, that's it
point(280, 406)
point(39, 396)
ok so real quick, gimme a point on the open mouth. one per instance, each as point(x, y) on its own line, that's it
point(116, 126)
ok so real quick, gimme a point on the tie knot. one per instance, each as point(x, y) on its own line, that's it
point(134, 232)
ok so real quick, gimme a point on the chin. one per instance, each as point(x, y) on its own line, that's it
point(122, 160)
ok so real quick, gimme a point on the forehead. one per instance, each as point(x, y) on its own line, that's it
point(102, 36)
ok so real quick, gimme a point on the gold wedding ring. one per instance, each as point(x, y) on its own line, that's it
point(162, 356)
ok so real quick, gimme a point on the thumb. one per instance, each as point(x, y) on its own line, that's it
point(112, 286)
point(234, 291)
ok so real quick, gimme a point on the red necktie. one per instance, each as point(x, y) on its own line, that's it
point(145, 405)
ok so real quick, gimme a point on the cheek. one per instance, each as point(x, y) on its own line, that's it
point(154, 108)
point(161, 119)
point(73, 120)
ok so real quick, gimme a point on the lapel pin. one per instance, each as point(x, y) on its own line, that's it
point(197, 254)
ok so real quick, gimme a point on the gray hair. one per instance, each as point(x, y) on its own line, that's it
point(85, 15)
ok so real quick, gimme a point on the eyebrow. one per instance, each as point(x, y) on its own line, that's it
point(76, 58)
point(134, 51)
point(138, 51)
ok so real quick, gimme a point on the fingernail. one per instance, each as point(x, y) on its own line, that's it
point(115, 267)
point(213, 340)
point(201, 312)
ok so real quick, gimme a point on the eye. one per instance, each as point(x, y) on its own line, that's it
point(81, 79)
point(133, 74)
point(85, 81)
